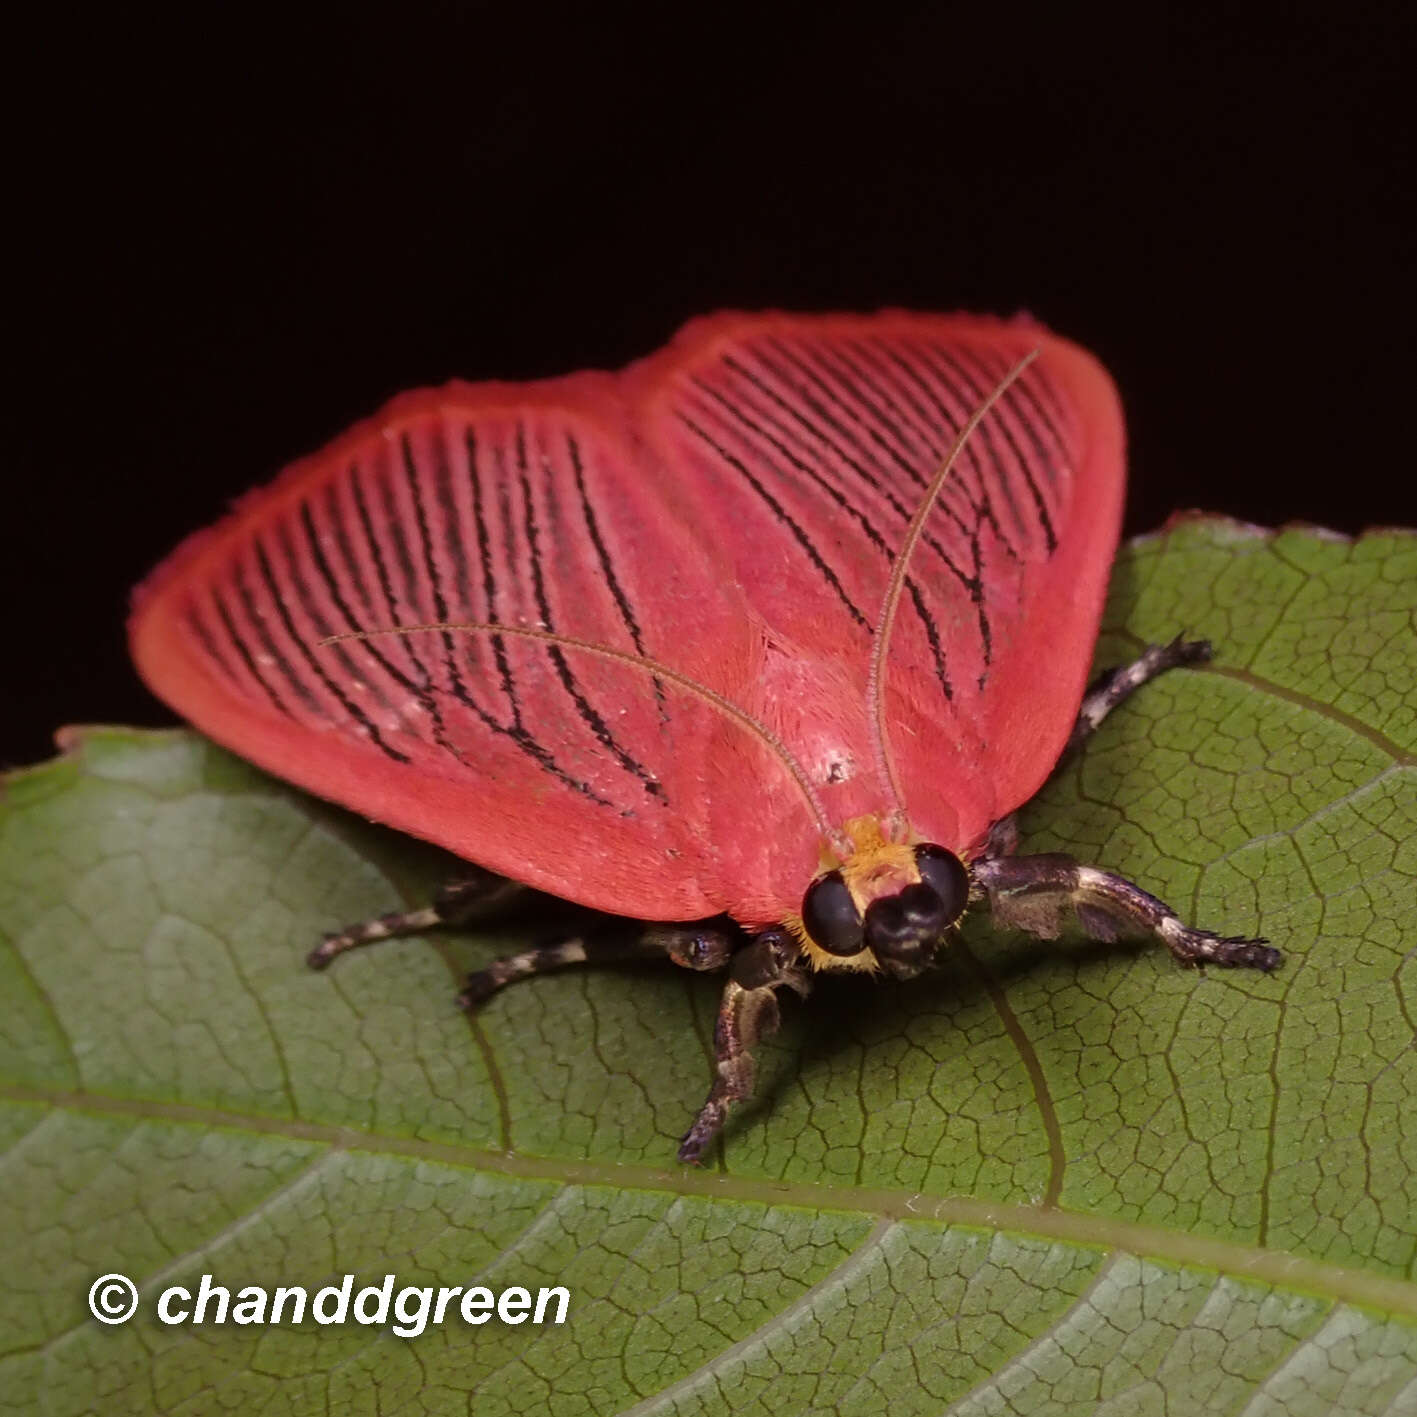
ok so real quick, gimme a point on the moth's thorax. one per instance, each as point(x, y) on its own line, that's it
point(814, 699)
point(877, 865)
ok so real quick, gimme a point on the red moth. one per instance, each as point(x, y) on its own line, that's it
point(780, 624)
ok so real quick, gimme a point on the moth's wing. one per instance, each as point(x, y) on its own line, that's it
point(729, 507)
point(820, 434)
point(521, 504)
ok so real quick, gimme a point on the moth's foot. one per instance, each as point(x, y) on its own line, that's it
point(1233, 951)
point(697, 1140)
point(330, 945)
point(1181, 651)
point(1116, 685)
point(478, 988)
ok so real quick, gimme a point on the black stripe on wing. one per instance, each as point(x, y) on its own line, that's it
point(729, 409)
point(781, 514)
point(584, 708)
point(607, 564)
point(332, 686)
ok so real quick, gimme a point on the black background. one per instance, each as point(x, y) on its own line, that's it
point(237, 241)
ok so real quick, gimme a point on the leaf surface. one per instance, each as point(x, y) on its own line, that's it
point(1045, 1179)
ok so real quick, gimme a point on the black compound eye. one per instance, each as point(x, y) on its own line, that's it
point(944, 873)
point(831, 916)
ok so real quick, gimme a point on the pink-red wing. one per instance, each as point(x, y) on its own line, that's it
point(810, 442)
point(728, 507)
point(524, 505)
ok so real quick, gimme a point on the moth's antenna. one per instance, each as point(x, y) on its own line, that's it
point(838, 839)
point(885, 623)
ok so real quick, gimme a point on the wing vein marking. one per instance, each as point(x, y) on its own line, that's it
point(917, 600)
point(854, 375)
point(245, 652)
point(420, 647)
point(800, 360)
point(322, 626)
point(937, 437)
point(198, 626)
point(426, 701)
point(386, 587)
point(453, 542)
point(932, 635)
point(607, 565)
point(762, 430)
point(821, 411)
point(1027, 388)
point(423, 687)
point(393, 526)
point(814, 433)
point(984, 433)
point(780, 512)
point(376, 554)
point(489, 576)
point(602, 553)
point(517, 731)
point(340, 531)
point(1050, 535)
point(983, 508)
point(350, 707)
point(974, 582)
point(345, 651)
point(584, 708)
point(1039, 380)
point(326, 573)
point(740, 416)
point(430, 566)
point(257, 622)
point(881, 488)
point(920, 479)
point(1047, 459)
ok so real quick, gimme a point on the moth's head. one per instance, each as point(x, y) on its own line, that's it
point(888, 903)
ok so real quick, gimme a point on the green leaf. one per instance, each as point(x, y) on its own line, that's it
point(1051, 1179)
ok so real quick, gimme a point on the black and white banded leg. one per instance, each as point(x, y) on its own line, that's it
point(1109, 689)
point(747, 1012)
point(472, 893)
point(1115, 685)
point(701, 947)
point(697, 946)
point(1033, 893)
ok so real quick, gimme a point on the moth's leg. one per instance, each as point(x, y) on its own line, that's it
point(470, 893)
point(692, 946)
point(747, 1012)
point(1109, 690)
point(1032, 892)
point(1003, 836)
point(1117, 684)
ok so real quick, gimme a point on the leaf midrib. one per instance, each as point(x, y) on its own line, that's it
point(1383, 1293)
